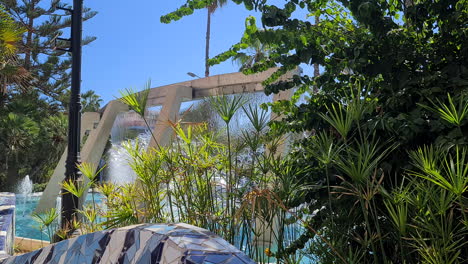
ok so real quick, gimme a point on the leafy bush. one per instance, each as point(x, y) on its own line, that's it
point(394, 80)
point(39, 187)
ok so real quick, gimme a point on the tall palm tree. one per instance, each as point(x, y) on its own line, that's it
point(211, 9)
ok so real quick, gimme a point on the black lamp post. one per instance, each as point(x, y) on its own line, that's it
point(70, 203)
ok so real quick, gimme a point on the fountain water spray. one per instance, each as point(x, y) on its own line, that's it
point(25, 188)
point(128, 128)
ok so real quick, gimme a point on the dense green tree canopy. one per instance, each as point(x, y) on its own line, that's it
point(399, 62)
point(44, 24)
point(34, 79)
point(404, 53)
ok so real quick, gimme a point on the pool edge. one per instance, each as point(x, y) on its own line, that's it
point(25, 244)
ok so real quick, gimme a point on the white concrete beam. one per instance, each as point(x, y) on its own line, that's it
point(94, 147)
point(230, 83)
point(91, 152)
point(52, 190)
point(162, 132)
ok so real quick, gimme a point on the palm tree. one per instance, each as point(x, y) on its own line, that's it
point(90, 101)
point(17, 134)
point(255, 53)
point(10, 71)
point(10, 34)
point(211, 9)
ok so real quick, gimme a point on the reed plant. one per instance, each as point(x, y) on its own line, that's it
point(88, 218)
point(242, 187)
point(364, 211)
point(206, 178)
point(47, 222)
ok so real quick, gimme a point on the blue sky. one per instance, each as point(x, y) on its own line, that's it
point(132, 45)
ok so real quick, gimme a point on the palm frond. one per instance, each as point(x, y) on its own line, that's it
point(452, 112)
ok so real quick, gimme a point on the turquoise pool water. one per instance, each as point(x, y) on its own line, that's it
point(25, 225)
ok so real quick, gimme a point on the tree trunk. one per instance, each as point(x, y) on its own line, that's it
point(316, 65)
point(11, 177)
point(207, 50)
point(4, 89)
point(28, 46)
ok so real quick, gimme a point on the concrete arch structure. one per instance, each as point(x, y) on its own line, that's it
point(97, 126)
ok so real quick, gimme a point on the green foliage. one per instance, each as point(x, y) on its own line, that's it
point(43, 23)
point(136, 101)
point(22, 131)
point(399, 58)
point(341, 122)
point(10, 36)
point(448, 171)
point(39, 187)
point(47, 222)
point(90, 215)
point(90, 171)
point(258, 118)
point(226, 106)
point(255, 53)
point(90, 102)
point(34, 78)
point(204, 180)
point(451, 113)
point(78, 189)
point(29, 126)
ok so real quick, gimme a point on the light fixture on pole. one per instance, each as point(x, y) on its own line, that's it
point(191, 74)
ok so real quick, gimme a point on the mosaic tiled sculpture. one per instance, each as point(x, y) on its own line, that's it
point(147, 243)
point(7, 220)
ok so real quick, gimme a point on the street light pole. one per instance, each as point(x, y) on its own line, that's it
point(70, 202)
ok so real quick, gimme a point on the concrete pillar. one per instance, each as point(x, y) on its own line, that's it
point(92, 150)
point(49, 196)
point(282, 148)
point(266, 233)
point(94, 147)
point(175, 95)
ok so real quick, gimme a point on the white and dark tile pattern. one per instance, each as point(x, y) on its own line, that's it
point(146, 243)
point(7, 224)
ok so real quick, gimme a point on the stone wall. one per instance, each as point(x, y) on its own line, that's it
point(7, 224)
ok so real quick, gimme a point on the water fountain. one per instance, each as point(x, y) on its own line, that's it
point(118, 170)
point(25, 186)
point(128, 128)
point(26, 202)
point(24, 193)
